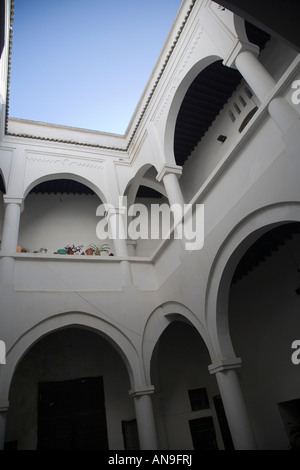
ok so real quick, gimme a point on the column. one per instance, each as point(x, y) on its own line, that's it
point(116, 216)
point(10, 233)
point(3, 412)
point(117, 229)
point(145, 418)
point(131, 245)
point(234, 405)
point(169, 176)
point(262, 83)
point(282, 113)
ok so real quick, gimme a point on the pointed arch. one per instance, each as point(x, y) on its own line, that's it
point(230, 253)
point(159, 320)
point(89, 321)
point(69, 176)
point(140, 179)
point(181, 90)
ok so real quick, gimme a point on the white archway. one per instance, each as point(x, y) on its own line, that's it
point(181, 89)
point(60, 321)
point(70, 176)
point(138, 180)
point(158, 321)
point(236, 244)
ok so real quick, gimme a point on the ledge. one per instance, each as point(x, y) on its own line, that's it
point(72, 258)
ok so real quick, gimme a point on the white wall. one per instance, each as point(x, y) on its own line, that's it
point(54, 221)
point(276, 58)
point(66, 355)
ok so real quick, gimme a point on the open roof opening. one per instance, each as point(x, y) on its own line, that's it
point(85, 64)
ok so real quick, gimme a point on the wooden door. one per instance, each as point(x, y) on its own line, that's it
point(203, 433)
point(71, 415)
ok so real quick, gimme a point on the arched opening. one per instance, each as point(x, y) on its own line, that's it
point(203, 101)
point(263, 323)
point(145, 192)
point(60, 213)
point(144, 185)
point(216, 107)
point(207, 122)
point(206, 97)
point(2, 184)
point(187, 402)
point(69, 391)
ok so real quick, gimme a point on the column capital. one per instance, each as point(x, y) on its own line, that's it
point(237, 49)
point(169, 169)
point(4, 406)
point(112, 210)
point(13, 200)
point(225, 364)
point(131, 242)
point(140, 391)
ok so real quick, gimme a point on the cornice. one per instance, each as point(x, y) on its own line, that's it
point(62, 141)
point(12, 14)
point(141, 116)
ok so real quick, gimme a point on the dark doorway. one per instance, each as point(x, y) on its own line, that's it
point(203, 433)
point(290, 413)
point(130, 435)
point(71, 415)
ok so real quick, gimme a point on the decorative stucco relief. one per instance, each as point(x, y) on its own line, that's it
point(180, 71)
point(189, 55)
point(56, 161)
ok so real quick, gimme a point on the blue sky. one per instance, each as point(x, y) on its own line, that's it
point(85, 63)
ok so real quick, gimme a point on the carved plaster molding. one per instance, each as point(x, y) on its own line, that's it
point(65, 162)
point(184, 65)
